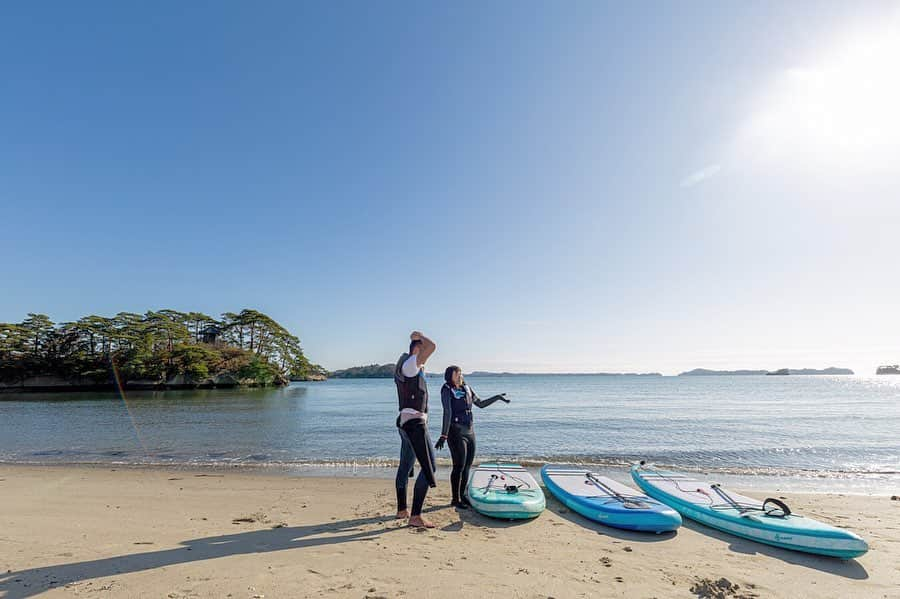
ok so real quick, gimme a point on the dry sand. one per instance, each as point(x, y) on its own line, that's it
point(100, 532)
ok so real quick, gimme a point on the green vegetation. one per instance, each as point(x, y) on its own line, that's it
point(155, 349)
point(372, 371)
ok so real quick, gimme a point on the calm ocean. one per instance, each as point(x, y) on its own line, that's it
point(805, 432)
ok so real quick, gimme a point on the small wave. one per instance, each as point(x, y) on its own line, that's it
point(265, 461)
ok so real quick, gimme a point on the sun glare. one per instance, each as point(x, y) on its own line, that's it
point(843, 110)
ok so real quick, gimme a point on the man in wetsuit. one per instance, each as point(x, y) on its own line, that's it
point(412, 424)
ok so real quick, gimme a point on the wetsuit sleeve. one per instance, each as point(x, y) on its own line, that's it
point(482, 403)
point(445, 402)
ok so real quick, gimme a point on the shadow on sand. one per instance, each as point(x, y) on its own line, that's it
point(33, 581)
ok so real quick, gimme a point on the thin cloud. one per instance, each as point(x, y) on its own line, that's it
point(707, 172)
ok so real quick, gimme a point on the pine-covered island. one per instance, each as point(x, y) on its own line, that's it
point(163, 349)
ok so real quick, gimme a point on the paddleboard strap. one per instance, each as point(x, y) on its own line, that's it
point(728, 499)
point(628, 502)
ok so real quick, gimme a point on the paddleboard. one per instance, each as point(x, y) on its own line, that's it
point(505, 491)
point(762, 521)
point(601, 499)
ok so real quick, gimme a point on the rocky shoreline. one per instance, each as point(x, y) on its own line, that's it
point(51, 384)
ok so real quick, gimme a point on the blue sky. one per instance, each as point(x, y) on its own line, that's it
point(540, 187)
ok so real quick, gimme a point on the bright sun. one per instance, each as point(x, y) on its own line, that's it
point(843, 111)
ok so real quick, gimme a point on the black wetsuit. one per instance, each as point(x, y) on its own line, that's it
point(413, 393)
point(459, 429)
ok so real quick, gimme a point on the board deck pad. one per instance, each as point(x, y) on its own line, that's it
point(578, 484)
point(699, 492)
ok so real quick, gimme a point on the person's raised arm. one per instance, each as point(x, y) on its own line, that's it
point(428, 347)
point(483, 403)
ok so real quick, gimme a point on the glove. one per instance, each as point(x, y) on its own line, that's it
point(502, 397)
point(440, 443)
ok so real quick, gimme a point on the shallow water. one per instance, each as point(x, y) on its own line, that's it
point(806, 432)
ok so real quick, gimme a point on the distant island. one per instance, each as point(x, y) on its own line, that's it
point(831, 370)
point(781, 371)
point(891, 369)
point(161, 349)
point(372, 371)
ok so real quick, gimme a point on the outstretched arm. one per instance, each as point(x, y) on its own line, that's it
point(483, 403)
point(428, 347)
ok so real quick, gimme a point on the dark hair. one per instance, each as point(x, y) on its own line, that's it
point(413, 344)
point(448, 374)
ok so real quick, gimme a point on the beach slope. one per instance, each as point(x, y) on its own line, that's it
point(103, 532)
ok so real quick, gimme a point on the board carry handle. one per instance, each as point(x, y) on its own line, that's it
point(779, 506)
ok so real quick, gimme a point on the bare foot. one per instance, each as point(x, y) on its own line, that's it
point(420, 522)
point(402, 514)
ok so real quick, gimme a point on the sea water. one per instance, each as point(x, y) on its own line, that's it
point(818, 433)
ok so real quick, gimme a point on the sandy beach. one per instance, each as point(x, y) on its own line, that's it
point(111, 532)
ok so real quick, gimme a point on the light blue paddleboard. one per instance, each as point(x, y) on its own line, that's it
point(505, 491)
point(609, 502)
point(714, 506)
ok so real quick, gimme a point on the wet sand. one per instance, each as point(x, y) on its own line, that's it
point(105, 532)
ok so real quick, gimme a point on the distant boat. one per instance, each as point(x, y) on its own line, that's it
point(892, 369)
point(779, 372)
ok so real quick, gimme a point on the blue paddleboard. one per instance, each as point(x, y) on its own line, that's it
point(604, 500)
point(762, 521)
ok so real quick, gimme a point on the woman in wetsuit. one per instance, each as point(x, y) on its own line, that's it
point(458, 429)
